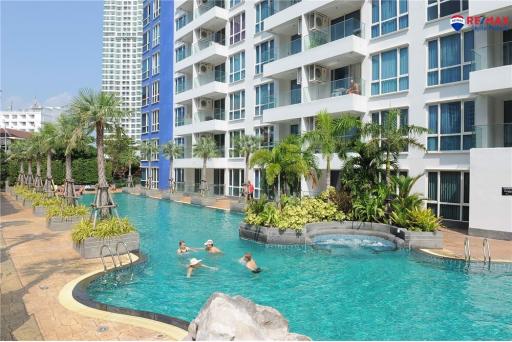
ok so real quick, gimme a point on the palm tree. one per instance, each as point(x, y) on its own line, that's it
point(393, 138)
point(48, 138)
point(36, 147)
point(205, 148)
point(362, 169)
point(147, 149)
point(30, 154)
point(171, 151)
point(17, 153)
point(128, 158)
point(246, 145)
point(95, 112)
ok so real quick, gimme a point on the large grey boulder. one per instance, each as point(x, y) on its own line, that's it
point(225, 318)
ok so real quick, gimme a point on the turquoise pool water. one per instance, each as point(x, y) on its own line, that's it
point(336, 292)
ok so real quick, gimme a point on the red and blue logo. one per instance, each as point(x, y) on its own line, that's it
point(457, 22)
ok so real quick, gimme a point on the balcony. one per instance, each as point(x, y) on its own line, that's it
point(203, 122)
point(493, 69)
point(204, 51)
point(214, 76)
point(206, 6)
point(345, 95)
point(279, 21)
point(321, 48)
point(493, 136)
point(494, 7)
point(212, 18)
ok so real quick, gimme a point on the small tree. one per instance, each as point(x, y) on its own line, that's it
point(246, 145)
point(171, 151)
point(128, 158)
point(17, 154)
point(48, 140)
point(37, 150)
point(205, 148)
point(147, 149)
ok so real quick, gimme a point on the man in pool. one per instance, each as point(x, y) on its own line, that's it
point(195, 264)
point(183, 248)
point(210, 248)
point(250, 263)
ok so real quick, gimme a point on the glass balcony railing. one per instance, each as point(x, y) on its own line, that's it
point(183, 121)
point(490, 136)
point(182, 86)
point(493, 56)
point(334, 32)
point(206, 5)
point(182, 53)
point(290, 97)
point(283, 4)
point(182, 21)
point(213, 76)
point(203, 44)
point(210, 115)
point(290, 48)
point(341, 87)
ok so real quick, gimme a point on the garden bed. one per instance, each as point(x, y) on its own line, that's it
point(90, 248)
point(58, 223)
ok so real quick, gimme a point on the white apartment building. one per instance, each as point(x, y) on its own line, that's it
point(267, 67)
point(122, 58)
point(29, 120)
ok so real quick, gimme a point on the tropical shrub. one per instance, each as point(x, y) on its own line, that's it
point(113, 226)
point(417, 219)
point(67, 211)
point(370, 206)
point(43, 201)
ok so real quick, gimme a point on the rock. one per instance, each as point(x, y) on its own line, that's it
point(237, 318)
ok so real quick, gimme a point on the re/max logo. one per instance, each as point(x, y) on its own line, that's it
point(491, 20)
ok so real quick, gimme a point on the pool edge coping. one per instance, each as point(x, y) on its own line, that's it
point(431, 252)
point(68, 300)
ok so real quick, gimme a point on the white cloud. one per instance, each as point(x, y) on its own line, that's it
point(59, 100)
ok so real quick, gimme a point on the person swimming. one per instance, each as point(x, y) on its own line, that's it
point(210, 248)
point(195, 264)
point(248, 261)
point(183, 248)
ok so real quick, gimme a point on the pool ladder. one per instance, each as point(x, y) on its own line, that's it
point(486, 248)
point(467, 250)
point(107, 247)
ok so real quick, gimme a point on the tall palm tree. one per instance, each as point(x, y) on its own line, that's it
point(246, 145)
point(30, 155)
point(171, 151)
point(17, 153)
point(147, 149)
point(205, 148)
point(128, 158)
point(36, 146)
point(48, 139)
point(96, 111)
point(393, 138)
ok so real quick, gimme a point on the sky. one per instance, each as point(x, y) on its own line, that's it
point(49, 50)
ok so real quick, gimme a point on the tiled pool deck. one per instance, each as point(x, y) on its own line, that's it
point(37, 264)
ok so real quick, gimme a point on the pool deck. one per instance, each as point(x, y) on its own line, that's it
point(36, 265)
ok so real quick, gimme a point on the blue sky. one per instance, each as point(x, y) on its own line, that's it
point(49, 50)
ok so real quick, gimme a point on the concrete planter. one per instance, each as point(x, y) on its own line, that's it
point(63, 223)
point(27, 203)
point(430, 240)
point(39, 210)
point(237, 206)
point(271, 235)
point(203, 201)
point(90, 248)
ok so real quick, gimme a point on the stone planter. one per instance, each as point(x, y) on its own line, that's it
point(63, 223)
point(39, 210)
point(430, 240)
point(203, 201)
point(27, 203)
point(271, 235)
point(90, 248)
point(237, 206)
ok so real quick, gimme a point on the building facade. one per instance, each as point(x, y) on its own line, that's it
point(29, 120)
point(157, 89)
point(121, 59)
point(266, 68)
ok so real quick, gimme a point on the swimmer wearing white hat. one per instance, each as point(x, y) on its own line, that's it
point(210, 248)
point(195, 264)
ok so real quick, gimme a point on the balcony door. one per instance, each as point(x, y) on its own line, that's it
point(507, 47)
point(507, 124)
point(218, 182)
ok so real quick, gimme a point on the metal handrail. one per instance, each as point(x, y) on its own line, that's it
point(486, 250)
point(111, 255)
point(127, 252)
point(467, 250)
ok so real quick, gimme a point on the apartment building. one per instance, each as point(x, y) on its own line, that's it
point(30, 119)
point(121, 59)
point(157, 89)
point(266, 68)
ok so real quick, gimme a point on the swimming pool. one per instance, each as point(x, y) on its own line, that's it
point(355, 294)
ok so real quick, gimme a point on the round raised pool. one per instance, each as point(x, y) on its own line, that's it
point(336, 292)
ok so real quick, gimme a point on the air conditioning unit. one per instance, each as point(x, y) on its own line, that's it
point(204, 103)
point(204, 34)
point(299, 76)
point(317, 21)
point(204, 68)
point(299, 26)
point(317, 74)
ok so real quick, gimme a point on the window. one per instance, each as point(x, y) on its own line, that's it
point(219, 109)
point(155, 152)
point(144, 123)
point(442, 8)
point(236, 179)
point(346, 25)
point(180, 142)
point(146, 15)
point(156, 35)
point(450, 126)
point(145, 41)
point(233, 137)
point(179, 116)
point(266, 135)
point(181, 21)
point(180, 179)
point(381, 117)
point(233, 3)
point(264, 9)
point(145, 95)
point(264, 98)
point(294, 129)
point(237, 67)
point(145, 68)
point(257, 183)
point(264, 54)
point(389, 16)
point(154, 177)
point(448, 194)
point(237, 28)
point(180, 84)
point(450, 58)
point(156, 92)
point(156, 8)
point(237, 105)
point(390, 71)
point(155, 64)
point(182, 52)
point(155, 120)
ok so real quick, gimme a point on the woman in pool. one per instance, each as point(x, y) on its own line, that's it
point(250, 263)
point(183, 248)
point(195, 264)
point(210, 248)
